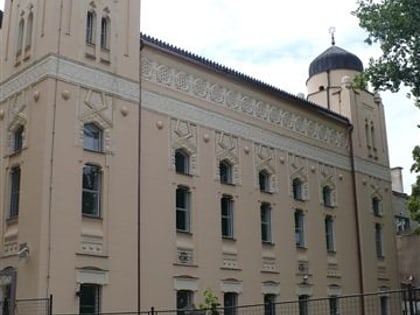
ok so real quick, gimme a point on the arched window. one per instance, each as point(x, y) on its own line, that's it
point(105, 33)
point(19, 41)
point(372, 134)
point(326, 196)
point(92, 137)
point(297, 189)
point(182, 162)
point(91, 28)
point(29, 28)
point(225, 170)
point(264, 181)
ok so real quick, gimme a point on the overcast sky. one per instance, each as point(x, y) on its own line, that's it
point(275, 41)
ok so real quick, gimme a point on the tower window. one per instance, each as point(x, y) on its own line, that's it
point(264, 181)
point(183, 209)
point(105, 33)
point(92, 137)
point(91, 190)
point(19, 42)
point(29, 28)
point(225, 171)
point(18, 139)
point(182, 162)
point(14, 192)
point(297, 187)
point(90, 28)
point(327, 196)
point(89, 299)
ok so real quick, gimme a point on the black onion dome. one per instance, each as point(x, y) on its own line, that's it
point(335, 58)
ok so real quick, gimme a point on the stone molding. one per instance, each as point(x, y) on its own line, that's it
point(182, 110)
point(239, 102)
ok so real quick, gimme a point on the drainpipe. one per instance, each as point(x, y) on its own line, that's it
point(139, 186)
point(51, 177)
point(356, 214)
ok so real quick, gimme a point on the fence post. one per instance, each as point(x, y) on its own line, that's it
point(50, 305)
point(152, 311)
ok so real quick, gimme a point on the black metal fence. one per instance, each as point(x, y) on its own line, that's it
point(399, 302)
point(30, 307)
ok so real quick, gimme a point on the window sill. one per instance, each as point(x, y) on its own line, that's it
point(331, 252)
point(91, 217)
point(188, 233)
point(268, 243)
point(299, 199)
point(94, 151)
point(228, 238)
point(301, 247)
point(184, 174)
point(228, 184)
point(12, 220)
point(381, 258)
point(266, 192)
point(329, 206)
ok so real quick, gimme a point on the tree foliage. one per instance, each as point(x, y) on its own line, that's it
point(211, 303)
point(395, 26)
point(414, 200)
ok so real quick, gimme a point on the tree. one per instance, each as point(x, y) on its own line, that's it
point(395, 26)
point(211, 303)
point(414, 200)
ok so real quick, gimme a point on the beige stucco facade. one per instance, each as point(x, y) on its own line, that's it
point(63, 79)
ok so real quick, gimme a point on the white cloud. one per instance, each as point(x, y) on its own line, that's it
point(274, 41)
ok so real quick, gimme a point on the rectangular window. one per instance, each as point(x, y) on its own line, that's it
point(14, 192)
point(299, 229)
point(379, 241)
point(91, 190)
point(92, 137)
point(18, 139)
point(329, 233)
point(333, 304)
point(227, 216)
point(269, 304)
point(89, 299)
point(182, 209)
point(184, 302)
point(303, 305)
point(265, 210)
point(384, 305)
point(230, 303)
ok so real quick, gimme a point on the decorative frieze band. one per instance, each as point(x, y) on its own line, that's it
point(240, 102)
point(182, 110)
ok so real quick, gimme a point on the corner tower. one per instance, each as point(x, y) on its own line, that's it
point(69, 95)
point(330, 85)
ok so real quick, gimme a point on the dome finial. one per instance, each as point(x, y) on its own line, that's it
point(331, 30)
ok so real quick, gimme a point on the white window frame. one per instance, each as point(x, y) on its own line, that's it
point(92, 137)
point(299, 228)
point(91, 28)
point(94, 190)
point(227, 216)
point(225, 172)
point(182, 161)
point(329, 233)
point(183, 212)
point(265, 213)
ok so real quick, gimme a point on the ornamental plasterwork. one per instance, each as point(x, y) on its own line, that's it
point(298, 168)
point(328, 177)
point(184, 136)
point(375, 187)
point(265, 160)
point(96, 107)
point(17, 116)
point(239, 102)
point(227, 148)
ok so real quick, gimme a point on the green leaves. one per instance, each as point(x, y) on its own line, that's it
point(395, 26)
